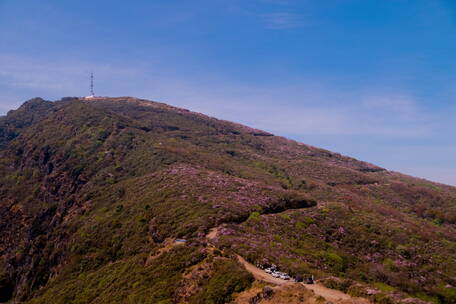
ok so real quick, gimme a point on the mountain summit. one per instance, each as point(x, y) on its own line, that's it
point(124, 200)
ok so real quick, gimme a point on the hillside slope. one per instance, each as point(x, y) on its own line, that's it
point(94, 192)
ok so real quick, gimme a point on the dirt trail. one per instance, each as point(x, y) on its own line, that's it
point(168, 244)
point(329, 294)
point(320, 290)
point(212, 233)
point(260, 274)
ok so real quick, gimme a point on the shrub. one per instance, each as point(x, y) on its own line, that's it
point(357, 291)
point(384, 287)
point(447, 294)
point(254, 216)
point(228, 277)
point(382, 298)
point(339, 284)
point(285, 216)
point(333, 260)
point(308, 220)
point(300, 225)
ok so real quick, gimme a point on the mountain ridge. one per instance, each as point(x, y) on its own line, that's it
point(91, 188)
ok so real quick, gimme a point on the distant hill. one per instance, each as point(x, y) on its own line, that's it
point(94, 193)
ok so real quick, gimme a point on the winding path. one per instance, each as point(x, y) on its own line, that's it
point(320, 290)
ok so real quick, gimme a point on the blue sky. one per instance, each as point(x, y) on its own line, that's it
point(370, 79)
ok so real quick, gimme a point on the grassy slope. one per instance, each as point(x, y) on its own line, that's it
point(90, 189)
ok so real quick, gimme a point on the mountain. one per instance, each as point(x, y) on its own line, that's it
point(124, 200)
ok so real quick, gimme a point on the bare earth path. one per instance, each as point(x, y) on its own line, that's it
point(328, 293)
point(260, 274)
point(212, 233)
point(320, 290)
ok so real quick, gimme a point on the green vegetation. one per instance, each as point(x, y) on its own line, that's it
point(227, 278)
point(125, 281)
point(91, 190)
point(343, 244)
point(384, 287)
point(254, 216)
point(333, 260)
